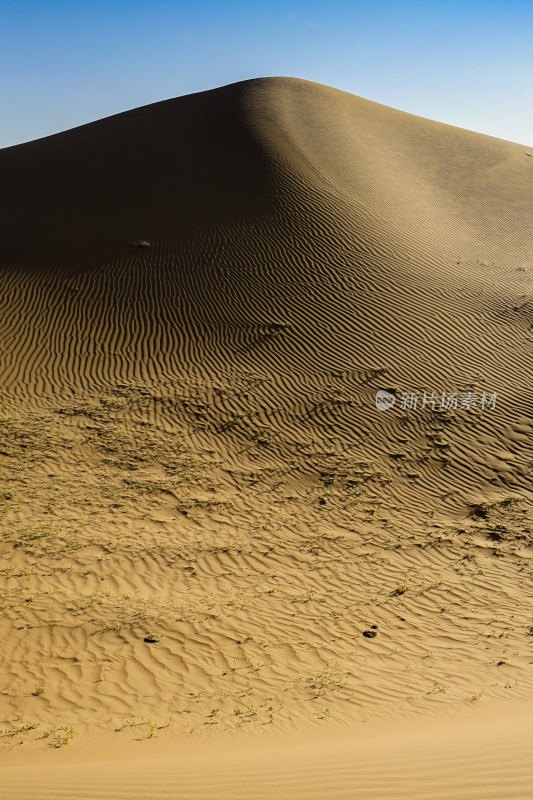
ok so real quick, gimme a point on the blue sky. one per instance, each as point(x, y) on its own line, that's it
point(66, 63)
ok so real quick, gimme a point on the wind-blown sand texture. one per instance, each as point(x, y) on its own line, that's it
point(201, 508)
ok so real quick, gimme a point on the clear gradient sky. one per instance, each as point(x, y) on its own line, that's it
point(64, 63)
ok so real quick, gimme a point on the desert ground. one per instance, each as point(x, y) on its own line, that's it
point(224, 572)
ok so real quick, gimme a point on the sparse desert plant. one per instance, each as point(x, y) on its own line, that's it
point(127, 723)
point(20, 726)
point(480, 510)
point(341, 396)
point(400, 589)
point(151, 726)
point(510, 500)
point(59, 737)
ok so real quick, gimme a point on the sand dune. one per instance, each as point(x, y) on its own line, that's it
point(202, 511)
point(472, 759)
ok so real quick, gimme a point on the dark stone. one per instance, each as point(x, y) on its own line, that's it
point(369, 634)
point(152, 638)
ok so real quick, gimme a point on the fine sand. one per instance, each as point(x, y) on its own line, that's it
point(202, 511)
